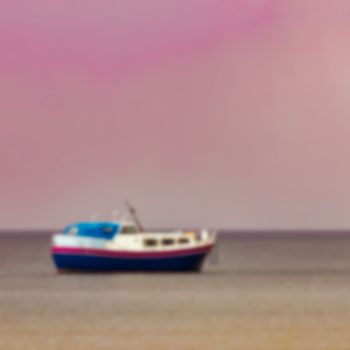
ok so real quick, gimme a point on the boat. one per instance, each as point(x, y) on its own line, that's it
point(124, 245)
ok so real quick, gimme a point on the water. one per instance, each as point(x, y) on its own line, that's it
point(268, 291)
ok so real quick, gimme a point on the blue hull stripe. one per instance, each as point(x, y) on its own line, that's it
point(99, 263)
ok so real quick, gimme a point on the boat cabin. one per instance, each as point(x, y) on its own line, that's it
point(126, 235)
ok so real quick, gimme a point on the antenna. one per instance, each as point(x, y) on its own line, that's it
point(93, 217)
point(132, 212)
point(115, 215)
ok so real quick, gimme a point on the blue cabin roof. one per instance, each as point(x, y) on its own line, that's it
point(94, 229)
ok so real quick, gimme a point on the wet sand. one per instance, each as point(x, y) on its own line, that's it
point(266, 292)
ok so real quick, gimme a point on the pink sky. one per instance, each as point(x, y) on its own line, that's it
point(203, 113)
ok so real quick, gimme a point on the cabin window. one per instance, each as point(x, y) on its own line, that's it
point(73, 231)
point(128, 229)
point(150, 242)
point(167, 241)
point(183, 240)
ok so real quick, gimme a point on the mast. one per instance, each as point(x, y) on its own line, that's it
point(132, 212)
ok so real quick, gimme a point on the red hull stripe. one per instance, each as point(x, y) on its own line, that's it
point(124, 254)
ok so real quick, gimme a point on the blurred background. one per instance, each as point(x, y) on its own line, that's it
point(228, 114)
